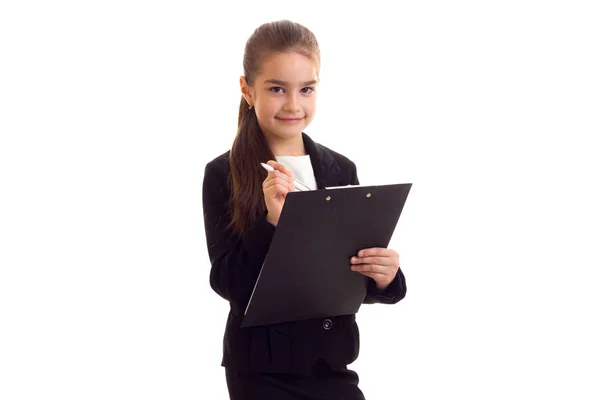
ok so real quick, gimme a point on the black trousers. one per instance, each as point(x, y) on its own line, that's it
point(322, 383)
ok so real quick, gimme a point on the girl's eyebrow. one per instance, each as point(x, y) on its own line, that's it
point(282, 83)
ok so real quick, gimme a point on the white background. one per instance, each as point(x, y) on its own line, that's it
point(110, 110)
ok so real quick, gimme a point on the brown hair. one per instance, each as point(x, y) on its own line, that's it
point(250, 147)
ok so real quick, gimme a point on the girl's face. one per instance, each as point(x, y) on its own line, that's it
point(283, 95)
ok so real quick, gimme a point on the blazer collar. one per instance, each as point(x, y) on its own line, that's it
point(327, 170)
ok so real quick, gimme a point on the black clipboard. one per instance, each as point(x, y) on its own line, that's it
point(306, 273)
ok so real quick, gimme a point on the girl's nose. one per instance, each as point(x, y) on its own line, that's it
point(292, 103)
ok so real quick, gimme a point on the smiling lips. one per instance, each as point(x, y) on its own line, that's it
point(289, 120)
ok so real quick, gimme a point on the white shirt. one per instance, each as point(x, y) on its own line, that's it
point(301, 169)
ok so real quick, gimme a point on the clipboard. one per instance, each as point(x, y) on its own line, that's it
point(306, 273)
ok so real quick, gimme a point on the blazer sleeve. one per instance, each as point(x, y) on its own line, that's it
point(235, 260)
point(397, 288)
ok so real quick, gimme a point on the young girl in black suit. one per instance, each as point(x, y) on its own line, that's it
point(242, 204)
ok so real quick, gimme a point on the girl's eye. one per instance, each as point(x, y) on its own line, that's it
point(307, 90)
point(276, 89)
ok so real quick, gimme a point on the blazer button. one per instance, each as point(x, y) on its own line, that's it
point(327, 324)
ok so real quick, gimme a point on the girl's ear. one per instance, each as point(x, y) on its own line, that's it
point(246, 92)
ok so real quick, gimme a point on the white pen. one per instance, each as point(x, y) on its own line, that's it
point(303, 186)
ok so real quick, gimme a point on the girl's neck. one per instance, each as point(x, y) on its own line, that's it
point(287, 147)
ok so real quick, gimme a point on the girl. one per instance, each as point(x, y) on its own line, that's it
point(242, 204)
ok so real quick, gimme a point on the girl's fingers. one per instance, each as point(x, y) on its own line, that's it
point(277, 188)
point(278, 174)
point(373, 275)
point(278, 181)
point(377, 251)
point(372, 260)
point(372, 268)
point(280, 167)
point(377, 256)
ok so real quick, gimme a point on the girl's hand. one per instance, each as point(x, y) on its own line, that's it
point(378, 263)
point(275, 187)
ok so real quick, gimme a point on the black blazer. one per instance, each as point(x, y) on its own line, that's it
point(236, 262)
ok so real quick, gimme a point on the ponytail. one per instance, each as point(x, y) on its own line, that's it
point(249, 149)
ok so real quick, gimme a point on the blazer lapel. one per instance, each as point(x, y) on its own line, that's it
point(327, 170)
